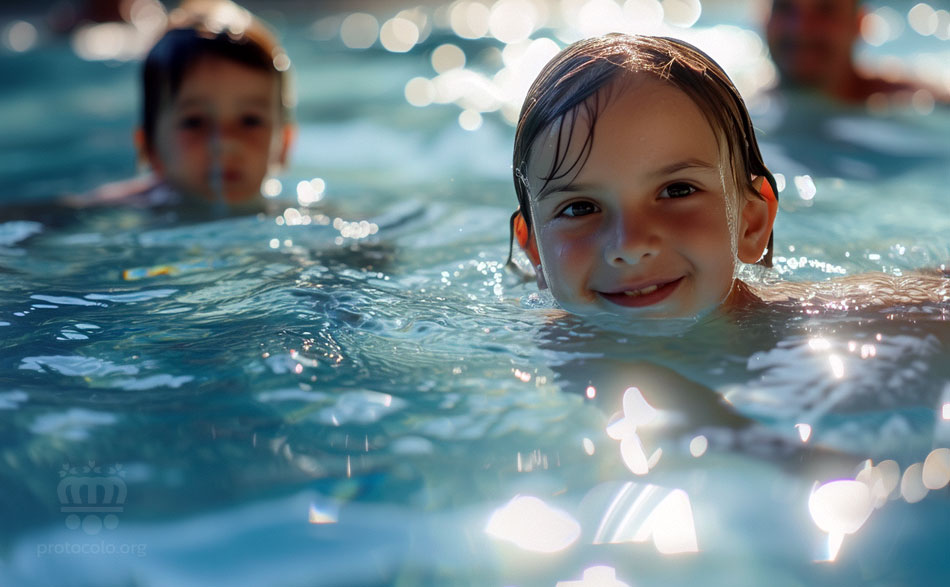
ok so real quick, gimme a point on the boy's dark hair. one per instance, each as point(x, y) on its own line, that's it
point(583, 69)
point(192, 39)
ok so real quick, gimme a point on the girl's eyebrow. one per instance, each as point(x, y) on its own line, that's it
point(255, 101)
point(561, 188)
point(190, 102)
point(687, 164)
point(670, 169)
point(247, 102)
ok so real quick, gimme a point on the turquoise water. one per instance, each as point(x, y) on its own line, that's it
point(357, 393)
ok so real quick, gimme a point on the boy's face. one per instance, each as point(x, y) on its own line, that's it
point(222, 132)
point(643, 228)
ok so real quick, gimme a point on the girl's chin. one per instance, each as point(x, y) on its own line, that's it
point(642, 325)
point(659, 321)
point(606, 310)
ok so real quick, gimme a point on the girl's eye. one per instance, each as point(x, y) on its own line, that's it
point(252, 120)
point(679, 190)
point(575, 209)
point(194, 122)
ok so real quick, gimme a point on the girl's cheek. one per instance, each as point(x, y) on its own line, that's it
point(571, 243)
point(565, 256)
point(187, 140)
point(564, 251)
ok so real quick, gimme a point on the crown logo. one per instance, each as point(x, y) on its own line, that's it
point(91, 497)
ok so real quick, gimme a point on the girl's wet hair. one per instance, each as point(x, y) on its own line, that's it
point(196, 37)
point(567, 84)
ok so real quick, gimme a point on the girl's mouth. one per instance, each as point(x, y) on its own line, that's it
point(231, 175)
point(646, 296)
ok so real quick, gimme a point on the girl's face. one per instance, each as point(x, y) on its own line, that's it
point(648, 226)
point(222, 132)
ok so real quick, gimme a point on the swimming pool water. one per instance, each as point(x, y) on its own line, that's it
point(358, 393)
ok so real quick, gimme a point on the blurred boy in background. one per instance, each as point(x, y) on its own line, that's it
point(216, 111)
point(811, 43)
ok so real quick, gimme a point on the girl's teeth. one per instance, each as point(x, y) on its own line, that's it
point(641, 292)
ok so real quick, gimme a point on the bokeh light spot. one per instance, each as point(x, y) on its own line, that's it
point(512, 21)
point(912, 484)
point(936, 471)
point(470, 120)
point(682, 13)
point(698, 446)
point(419, 92)
point(20, 36)
point(359, 30)
point(469, 20)
point(447, 57)
point(399, 35)
point(272, 187)
point(923, 19)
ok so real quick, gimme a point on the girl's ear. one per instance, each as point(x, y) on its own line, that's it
point(526, 239)
point(287, 135)
point(141, 149)
point(146, 154)
point(755, 221)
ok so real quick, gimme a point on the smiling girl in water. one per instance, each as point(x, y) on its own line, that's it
point(639, 180)
point(642, 190)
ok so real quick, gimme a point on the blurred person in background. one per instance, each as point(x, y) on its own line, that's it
point(216, 117)
point(812, 44)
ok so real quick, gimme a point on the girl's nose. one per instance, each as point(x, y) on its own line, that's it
point(225, 137)
point(631, 243)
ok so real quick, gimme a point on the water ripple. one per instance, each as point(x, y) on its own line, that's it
point(73, 365)
point(139, 296)
point(64, 300)
point(18, 230)
point(74, 424)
